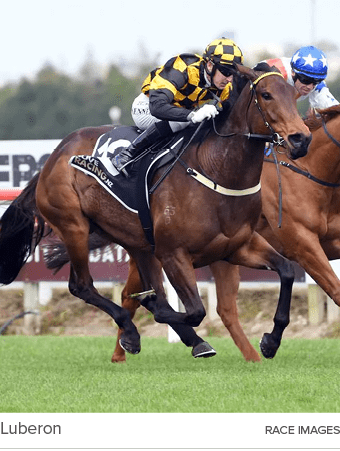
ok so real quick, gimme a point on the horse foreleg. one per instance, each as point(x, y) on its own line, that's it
point(150, 271)
point(227, 280)
point(257, 253)
point(149, 268)
point(311, 256)
point(181, 274)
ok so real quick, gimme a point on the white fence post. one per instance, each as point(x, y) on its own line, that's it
point(45, 293)
point(317, 300)
point(31, 303)
point(333, 311)
point(210, 289)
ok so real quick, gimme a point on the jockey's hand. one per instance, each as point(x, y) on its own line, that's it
point(206, 112)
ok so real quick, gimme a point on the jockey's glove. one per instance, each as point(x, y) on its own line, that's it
point(206, 112)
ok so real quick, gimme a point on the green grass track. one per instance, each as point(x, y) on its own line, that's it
point(75, 374)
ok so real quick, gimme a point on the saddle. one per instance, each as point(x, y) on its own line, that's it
point(132, 192)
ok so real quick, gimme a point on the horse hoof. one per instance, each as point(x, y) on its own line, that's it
point(118, 361)
point(268, 346)
point(203, 350)
point(129, 347)
point(118, 358)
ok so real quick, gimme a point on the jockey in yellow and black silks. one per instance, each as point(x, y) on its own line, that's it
point(177, 94)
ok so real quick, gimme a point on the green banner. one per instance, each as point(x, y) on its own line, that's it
point(171, 431)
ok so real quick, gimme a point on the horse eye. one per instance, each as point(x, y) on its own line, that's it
point(266, 96)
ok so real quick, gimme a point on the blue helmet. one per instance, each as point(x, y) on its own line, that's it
point(311, 62)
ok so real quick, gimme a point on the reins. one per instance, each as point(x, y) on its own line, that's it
point(279, 182)
point(274, 138)
point(178, 157)
point(307, 174)
point(336, 142)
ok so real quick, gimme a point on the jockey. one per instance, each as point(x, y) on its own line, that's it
point(176, 95)
point(307, 71)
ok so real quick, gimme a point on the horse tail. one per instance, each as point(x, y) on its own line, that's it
point(21, 229)
point(56, 256)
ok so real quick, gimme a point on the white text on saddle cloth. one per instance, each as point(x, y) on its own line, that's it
point(91, 164)
point(104, 152)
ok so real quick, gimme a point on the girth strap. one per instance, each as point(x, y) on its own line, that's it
point(220, 189)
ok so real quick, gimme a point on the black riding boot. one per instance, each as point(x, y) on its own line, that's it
point(143, 141)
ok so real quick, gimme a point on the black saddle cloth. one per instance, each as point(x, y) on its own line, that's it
point(132, 191)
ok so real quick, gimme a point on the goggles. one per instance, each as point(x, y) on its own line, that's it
point(308, 80)
point(225, 70)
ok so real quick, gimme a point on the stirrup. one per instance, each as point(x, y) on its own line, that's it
point(121, 160)
point(120, 168)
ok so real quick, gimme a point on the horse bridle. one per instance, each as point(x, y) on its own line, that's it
point(274, 137)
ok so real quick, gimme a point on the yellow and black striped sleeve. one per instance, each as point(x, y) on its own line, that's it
point(167, 88)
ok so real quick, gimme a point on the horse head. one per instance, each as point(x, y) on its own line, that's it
point(275, 110)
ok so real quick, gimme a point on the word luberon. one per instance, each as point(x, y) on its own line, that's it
point(29, 429)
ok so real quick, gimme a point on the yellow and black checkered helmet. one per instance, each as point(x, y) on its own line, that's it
point(223, 51)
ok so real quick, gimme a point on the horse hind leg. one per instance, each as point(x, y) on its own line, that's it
point(133, 285)
point(73, 230)
point(81, 286)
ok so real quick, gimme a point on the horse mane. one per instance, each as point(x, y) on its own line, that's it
point(260, 68)
point(264, 67)
point(316, 117)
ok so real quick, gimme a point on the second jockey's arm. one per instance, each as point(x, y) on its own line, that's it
point(321, 97)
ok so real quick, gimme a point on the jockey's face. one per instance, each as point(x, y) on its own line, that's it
point(219, 80)
point(302, 88)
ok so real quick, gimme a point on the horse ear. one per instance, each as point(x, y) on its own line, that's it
point(246, 71)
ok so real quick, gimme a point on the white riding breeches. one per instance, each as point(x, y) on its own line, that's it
point(142, 117)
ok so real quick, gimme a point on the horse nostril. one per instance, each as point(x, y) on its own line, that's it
point(299, 140)
point(300, 144)
point(296, 139)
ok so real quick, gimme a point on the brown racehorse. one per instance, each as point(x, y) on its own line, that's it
point(310, 230)
point(207, 226)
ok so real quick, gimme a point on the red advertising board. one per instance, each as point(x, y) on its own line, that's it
point(107, 264)
point(111, 264)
